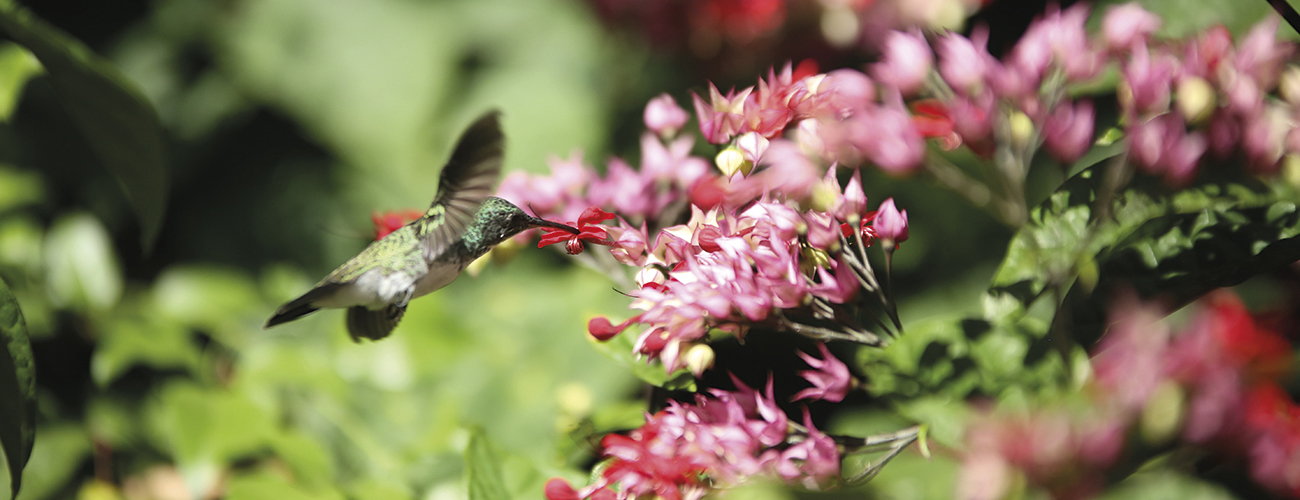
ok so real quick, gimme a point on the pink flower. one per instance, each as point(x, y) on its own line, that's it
point(906, 61)
point(723, 116)
point(1127, 25)
point(854, 202)
point(1149, 78)
point(1161, 146)
point(830, 377)
point(965, 62)
point(890, 224)
point(1068, 131)
point(664, 116)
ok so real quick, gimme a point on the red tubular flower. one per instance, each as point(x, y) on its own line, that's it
point(391, 221)
point(590, 230)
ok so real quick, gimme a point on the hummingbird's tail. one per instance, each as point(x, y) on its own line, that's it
point(537, 222)
point(289, 312)
point(301, 306)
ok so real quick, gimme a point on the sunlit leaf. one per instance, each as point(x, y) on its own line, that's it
point(17, 388)
point(81, 268)
point(17, 65)
point(118, 122)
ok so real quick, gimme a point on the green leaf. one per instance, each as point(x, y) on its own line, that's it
point(118, 122)
point(81, 269)
point(620, 349)
point(1066, 240)
point(957, 357)
point(483, 469)
point(17, 388)
point(17, 66)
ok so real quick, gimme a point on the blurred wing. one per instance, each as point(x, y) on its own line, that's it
point(469, 178)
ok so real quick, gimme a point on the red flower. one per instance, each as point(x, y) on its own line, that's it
point(589, 230)
point(391, 221)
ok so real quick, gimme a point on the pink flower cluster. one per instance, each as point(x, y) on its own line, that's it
point(1192, 385)
point(1184, 99)
point(730, 270)
point(688, 449)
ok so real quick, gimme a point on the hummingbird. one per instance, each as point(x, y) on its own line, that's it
point(463, 223)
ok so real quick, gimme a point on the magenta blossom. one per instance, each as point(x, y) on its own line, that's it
point(890, 224)
point(664, 116)
point(830, 377)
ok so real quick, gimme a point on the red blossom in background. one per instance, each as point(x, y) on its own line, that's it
point(388, 222)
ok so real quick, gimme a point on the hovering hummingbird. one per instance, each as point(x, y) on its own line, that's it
point(462, 224)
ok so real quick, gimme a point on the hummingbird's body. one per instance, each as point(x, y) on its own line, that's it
point(463, 223)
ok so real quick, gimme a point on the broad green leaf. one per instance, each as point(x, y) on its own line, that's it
point(17, 388)
point(17, 66)
point(619, 349)
point(483, 469)
point(81, 269)
point(117, 121)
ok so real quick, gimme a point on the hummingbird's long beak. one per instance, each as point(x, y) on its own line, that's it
point(536, 222)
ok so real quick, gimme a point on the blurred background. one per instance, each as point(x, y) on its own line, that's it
point(288, 123)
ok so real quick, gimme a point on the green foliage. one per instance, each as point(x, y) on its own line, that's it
point(1184, 242)
point(17, 65)
point(483, 469)
point(17, 388)
point(115, 119)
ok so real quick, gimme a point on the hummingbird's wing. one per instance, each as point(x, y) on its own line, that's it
point(373, 324)
point(469, 178)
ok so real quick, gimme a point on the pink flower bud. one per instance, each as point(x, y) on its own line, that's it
point(559, 489)
point(965, 63)
point(906, 61)
point(1068, 131)
point(854, 202)
point(1128, 24)
point(664, 116)
point(891, 224)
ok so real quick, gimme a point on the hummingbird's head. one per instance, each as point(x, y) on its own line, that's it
point(499, 219)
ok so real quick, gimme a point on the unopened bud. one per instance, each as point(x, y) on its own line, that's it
point(1021, 128)
point(731, 160)
point(699, 357)
point(816, 257)
point(574, 246)
point(1196, 99)
point(1163, 413)
point(1289, 86)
